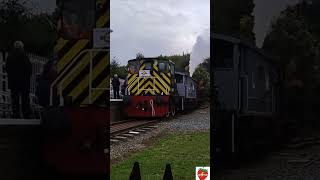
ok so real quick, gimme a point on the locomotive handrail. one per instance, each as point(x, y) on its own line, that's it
point(65, 71)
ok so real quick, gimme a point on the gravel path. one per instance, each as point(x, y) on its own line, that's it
point(287, 164)
point(196, 121)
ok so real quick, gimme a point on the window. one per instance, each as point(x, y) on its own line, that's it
point(133, 67)
point(267, 81)
point(261, 73)
point(179, 78)
point(253, 80)
point(172, 68)
point(148, 66)
point(223, 54)
point(163, 67)
point(78, 19)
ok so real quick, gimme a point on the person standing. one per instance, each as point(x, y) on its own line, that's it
point(19, 69)
point(116, 86)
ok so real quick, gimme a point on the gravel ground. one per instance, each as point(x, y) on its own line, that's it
point(195, 121)
point(288, 164)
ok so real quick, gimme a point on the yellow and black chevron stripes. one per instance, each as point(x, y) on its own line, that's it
point(71, 54)
point(78, 88)
point(159, 83)
point(76, 82)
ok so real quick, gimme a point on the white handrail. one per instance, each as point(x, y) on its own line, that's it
point(62, 73)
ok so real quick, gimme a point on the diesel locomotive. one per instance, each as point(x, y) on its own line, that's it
point(156, 89)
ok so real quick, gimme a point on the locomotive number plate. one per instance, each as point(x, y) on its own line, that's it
point(144, 73)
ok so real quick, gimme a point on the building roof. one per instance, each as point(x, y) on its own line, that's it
point(244, 43)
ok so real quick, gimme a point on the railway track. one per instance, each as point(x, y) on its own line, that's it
point(123, 130)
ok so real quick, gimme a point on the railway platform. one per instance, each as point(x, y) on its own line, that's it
point(116, 110)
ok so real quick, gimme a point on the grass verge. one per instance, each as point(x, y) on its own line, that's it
point(183, 151)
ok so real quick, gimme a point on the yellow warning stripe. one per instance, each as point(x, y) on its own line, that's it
point(85, 81)
point(161, 87)
point(161, 81)
point(166, 78)
point(60, 44)
point(72, 53)
point(148, 90)
point(143, 80)
point(83, 63)
point(132, 78)
point(142, 66)
point(132, 84)
point(155, 67)
point(103, 19)
point(97, 93)
point(156, 89)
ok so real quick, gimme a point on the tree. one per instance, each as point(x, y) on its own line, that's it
point(115, 68)
point(139, 56)
point(17, 22)
point(202, 76)
point(295, 46)
point(234, 18)
point(291, 40)
point(182, 62)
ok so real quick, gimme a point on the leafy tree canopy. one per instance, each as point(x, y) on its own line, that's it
point(115, 68)
point(18, 22)
point(182, 62)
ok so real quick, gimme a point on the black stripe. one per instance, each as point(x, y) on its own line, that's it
point(87, 46)
point(103, 10)
point(82, 96)
point(66, 48)
point(159, 74)
point(163, 74)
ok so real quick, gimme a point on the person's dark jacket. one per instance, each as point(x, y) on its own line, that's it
point(44, 82)
point(19, 70)
point(116, 83)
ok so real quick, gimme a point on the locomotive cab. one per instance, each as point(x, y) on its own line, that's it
point(150, 88)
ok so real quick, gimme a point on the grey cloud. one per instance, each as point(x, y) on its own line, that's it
point(156, 27)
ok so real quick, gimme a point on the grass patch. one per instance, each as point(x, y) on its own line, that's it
point(183, 151)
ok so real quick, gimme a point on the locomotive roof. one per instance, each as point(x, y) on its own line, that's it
point(246, 44)
point(184, 73)
point(151, 58)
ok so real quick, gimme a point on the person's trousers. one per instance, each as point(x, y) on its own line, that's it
point(116, 93)
point(25, 103)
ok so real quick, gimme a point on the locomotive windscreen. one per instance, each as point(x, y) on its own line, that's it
point(78, 18)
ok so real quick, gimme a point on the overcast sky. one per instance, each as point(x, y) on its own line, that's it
point(265, 11)
point(171, 26)
point(160, 27)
